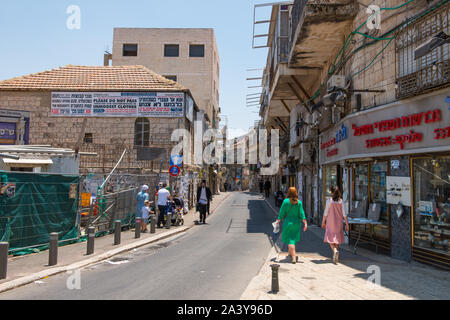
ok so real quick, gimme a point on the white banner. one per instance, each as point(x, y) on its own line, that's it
point(117, 104)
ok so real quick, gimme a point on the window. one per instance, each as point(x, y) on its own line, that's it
point(415, 76)
point(130, 50)
point(197, 50)
point(171, 50)
point(173, 78)
point(142, 132)
point(377, 187)
point(331, 180)
point(431, 190)
point(88, 138)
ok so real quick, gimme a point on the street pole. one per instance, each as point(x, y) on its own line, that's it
point(137, 229)
point(275, 282)
point(90, 241)
point(3, 259)
point(53, 252)
point(117, 232)
point(153, 223)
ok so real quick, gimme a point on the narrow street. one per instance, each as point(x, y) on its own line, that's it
point(212, 261)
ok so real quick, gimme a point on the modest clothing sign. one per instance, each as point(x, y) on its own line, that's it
point(117, 104)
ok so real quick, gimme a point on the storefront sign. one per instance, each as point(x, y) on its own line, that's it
point(14, 127)
point(117, 104)
point(417, 126)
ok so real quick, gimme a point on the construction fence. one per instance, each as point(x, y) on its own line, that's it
point(33, 205)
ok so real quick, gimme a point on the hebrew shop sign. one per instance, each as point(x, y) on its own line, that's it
point(117, 104)
point(423, 124)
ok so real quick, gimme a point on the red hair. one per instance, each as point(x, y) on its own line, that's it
point(292, 195)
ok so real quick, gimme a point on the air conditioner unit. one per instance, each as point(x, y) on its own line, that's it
point(305, 153)
point(307, 129)
point(315, 119)
point(336, 82)
point(335, 115)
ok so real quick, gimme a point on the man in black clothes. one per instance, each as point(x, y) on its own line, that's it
point(267, 187)
point(261, 186)
point(204, 197)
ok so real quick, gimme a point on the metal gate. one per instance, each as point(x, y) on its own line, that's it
point(110, 207)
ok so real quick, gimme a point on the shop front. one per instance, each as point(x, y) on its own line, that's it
point(392, 165)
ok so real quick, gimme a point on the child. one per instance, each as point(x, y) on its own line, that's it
point(145, 213)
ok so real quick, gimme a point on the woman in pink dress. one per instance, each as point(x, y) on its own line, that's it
point(333, 222)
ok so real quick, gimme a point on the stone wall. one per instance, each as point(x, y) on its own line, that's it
point(110, 135)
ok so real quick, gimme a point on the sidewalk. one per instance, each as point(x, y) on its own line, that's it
point(29, 268)
point(315, 277)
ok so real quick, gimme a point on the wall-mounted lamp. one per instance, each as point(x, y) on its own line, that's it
point(434, 42)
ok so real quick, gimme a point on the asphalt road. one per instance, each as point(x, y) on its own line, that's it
point(212, 261)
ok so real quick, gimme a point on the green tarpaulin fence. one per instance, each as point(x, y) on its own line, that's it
point(34, 205)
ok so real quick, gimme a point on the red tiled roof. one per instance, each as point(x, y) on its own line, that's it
point(95, 78)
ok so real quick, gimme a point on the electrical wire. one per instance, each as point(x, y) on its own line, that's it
point(347, 42)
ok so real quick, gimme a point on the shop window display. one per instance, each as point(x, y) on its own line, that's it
point(330, 180)
point(360, 196)
point(361, 186)
point(378, 173)
point(432, 203)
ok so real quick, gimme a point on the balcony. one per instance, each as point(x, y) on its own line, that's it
point(431, 71)
point(317, 32)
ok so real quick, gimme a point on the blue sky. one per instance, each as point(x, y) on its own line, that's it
point(35, 38)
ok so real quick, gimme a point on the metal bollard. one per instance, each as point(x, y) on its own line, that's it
point(53, 252)
point(168, 222)
point(90, 241)
point(275, 283)
point(137, 228)
point(153, 224)
point(3, 259)
point(117, 232)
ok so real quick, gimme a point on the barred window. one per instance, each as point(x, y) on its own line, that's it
point(142, 132)
point(431, 71)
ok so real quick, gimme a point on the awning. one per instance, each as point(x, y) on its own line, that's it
point(28, 162)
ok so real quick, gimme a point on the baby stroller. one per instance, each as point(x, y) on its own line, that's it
point(176, 210)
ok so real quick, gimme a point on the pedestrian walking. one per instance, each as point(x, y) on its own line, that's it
point(292, 215)
point(261, 186)
point(333, 222)
point(225, 186)
point(163, 197)
point(141, 197)
point(204, 197)
point(267, 187)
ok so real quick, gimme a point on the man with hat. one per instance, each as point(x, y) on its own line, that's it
point(204, 197)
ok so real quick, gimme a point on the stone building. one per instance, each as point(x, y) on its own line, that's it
point(103, 110)
point(188, 56)
point(361, 97)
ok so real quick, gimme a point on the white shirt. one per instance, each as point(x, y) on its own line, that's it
point(163, 195)
point(145, 212)
point(203, 198)
point(344, 211)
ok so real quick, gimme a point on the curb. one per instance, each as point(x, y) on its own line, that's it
point(84, 263)
point(77, 265)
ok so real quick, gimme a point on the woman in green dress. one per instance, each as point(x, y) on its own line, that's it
point(292, 212)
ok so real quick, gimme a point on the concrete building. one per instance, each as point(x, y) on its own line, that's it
point(38, 159)
point(362, 104)
point(187, 56)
